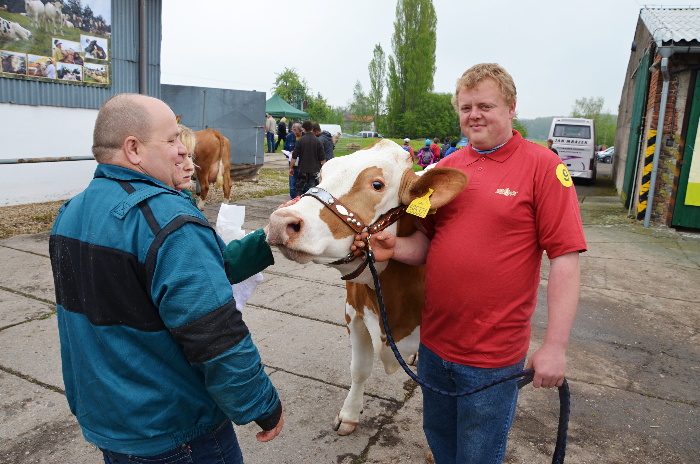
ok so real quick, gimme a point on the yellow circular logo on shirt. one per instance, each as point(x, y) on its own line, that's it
point(564, 176)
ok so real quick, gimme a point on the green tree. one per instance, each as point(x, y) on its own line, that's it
point(318, 108)
point(73, 7)
point(294, 89)
point(377, 76)
point(360, 109)
point(87, 14)
point(519, 126)
point(433, 116)
point(337, 116)
point(605, 123)
point(291, 87)
point(412, 67)
point(538, 128)
point(395, 105)
point(587, 108)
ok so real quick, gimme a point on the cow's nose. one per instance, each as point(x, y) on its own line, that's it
point(284, 226)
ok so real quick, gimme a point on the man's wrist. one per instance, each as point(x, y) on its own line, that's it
point(270, 422)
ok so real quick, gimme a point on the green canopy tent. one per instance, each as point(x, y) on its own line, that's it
point(278, 108)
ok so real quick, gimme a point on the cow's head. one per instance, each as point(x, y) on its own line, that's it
point(369, 183)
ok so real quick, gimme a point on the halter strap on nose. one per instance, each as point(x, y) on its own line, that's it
point(335, 205)
point(355, 223)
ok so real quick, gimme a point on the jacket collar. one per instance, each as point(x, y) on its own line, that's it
point(110, 171)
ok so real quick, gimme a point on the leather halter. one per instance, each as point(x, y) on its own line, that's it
point(355, 223)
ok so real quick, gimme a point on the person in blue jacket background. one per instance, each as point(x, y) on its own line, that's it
point(156, 359)
point(289, 143)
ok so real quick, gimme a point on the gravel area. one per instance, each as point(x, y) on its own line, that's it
point(27, 219)
point(38, 217)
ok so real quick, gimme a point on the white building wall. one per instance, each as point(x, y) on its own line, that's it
point(44, 132)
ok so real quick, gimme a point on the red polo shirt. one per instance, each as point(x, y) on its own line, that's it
point(483, 265)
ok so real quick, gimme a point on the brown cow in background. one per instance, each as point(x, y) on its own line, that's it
point(212, 158)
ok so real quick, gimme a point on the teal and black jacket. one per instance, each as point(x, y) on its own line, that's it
point(154, 352)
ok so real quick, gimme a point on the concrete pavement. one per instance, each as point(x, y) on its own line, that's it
point(634, 356)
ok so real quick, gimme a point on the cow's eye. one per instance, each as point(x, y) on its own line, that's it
point(377, 185)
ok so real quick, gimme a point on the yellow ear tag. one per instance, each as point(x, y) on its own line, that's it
point(421, 205)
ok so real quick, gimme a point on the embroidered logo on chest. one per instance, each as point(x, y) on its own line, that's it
point(507, 192)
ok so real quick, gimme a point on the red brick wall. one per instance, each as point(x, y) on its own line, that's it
point(668, 168)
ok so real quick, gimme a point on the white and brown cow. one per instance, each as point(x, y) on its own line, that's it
point(212, 163)
point(367, 184)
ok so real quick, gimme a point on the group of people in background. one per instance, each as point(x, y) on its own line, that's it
point(310, 148)
point(283, 133)
point(431, 152)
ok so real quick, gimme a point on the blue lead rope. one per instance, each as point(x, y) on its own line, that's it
point(525, 376)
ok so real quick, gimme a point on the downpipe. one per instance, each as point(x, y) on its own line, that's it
point(143, 56)
point(665, 53)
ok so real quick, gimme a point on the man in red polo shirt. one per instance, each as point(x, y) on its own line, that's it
point(483, 253)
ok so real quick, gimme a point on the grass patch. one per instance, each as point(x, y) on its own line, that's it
point(27, 219)
point(347, 145)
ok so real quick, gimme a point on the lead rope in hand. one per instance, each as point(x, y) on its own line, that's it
point(525, 376)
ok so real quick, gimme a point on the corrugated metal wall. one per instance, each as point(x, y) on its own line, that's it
point(124, 45)
point(238, 114)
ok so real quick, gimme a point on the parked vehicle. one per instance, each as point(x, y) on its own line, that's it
point(369, 134)
point(606, 155)
point(574, 140)
point(332, 129)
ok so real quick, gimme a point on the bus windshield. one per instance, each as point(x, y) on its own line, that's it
point(572, 131)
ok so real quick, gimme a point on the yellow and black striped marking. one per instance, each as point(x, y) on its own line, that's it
point(646, 176)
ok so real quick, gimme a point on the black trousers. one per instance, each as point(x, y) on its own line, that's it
point(306, 181)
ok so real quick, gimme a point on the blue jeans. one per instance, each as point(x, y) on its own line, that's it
point(217, 447)
point(270, 142)
point(470, 429)
point(293, 183)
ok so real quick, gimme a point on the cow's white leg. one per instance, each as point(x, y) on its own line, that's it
point(361, 369)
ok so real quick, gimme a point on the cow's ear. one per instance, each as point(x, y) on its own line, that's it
point(445, 182)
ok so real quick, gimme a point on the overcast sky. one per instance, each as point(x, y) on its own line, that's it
point(557, 51)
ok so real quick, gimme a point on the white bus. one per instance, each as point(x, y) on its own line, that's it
point(574, 140)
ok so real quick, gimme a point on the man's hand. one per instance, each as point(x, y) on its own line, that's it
point(411, 249)
point(549, 363)
point(289, 203)
point(382, 244)
point(358, 245)
point(268, 435)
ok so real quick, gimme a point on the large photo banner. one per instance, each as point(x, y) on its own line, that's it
point(56, 41)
